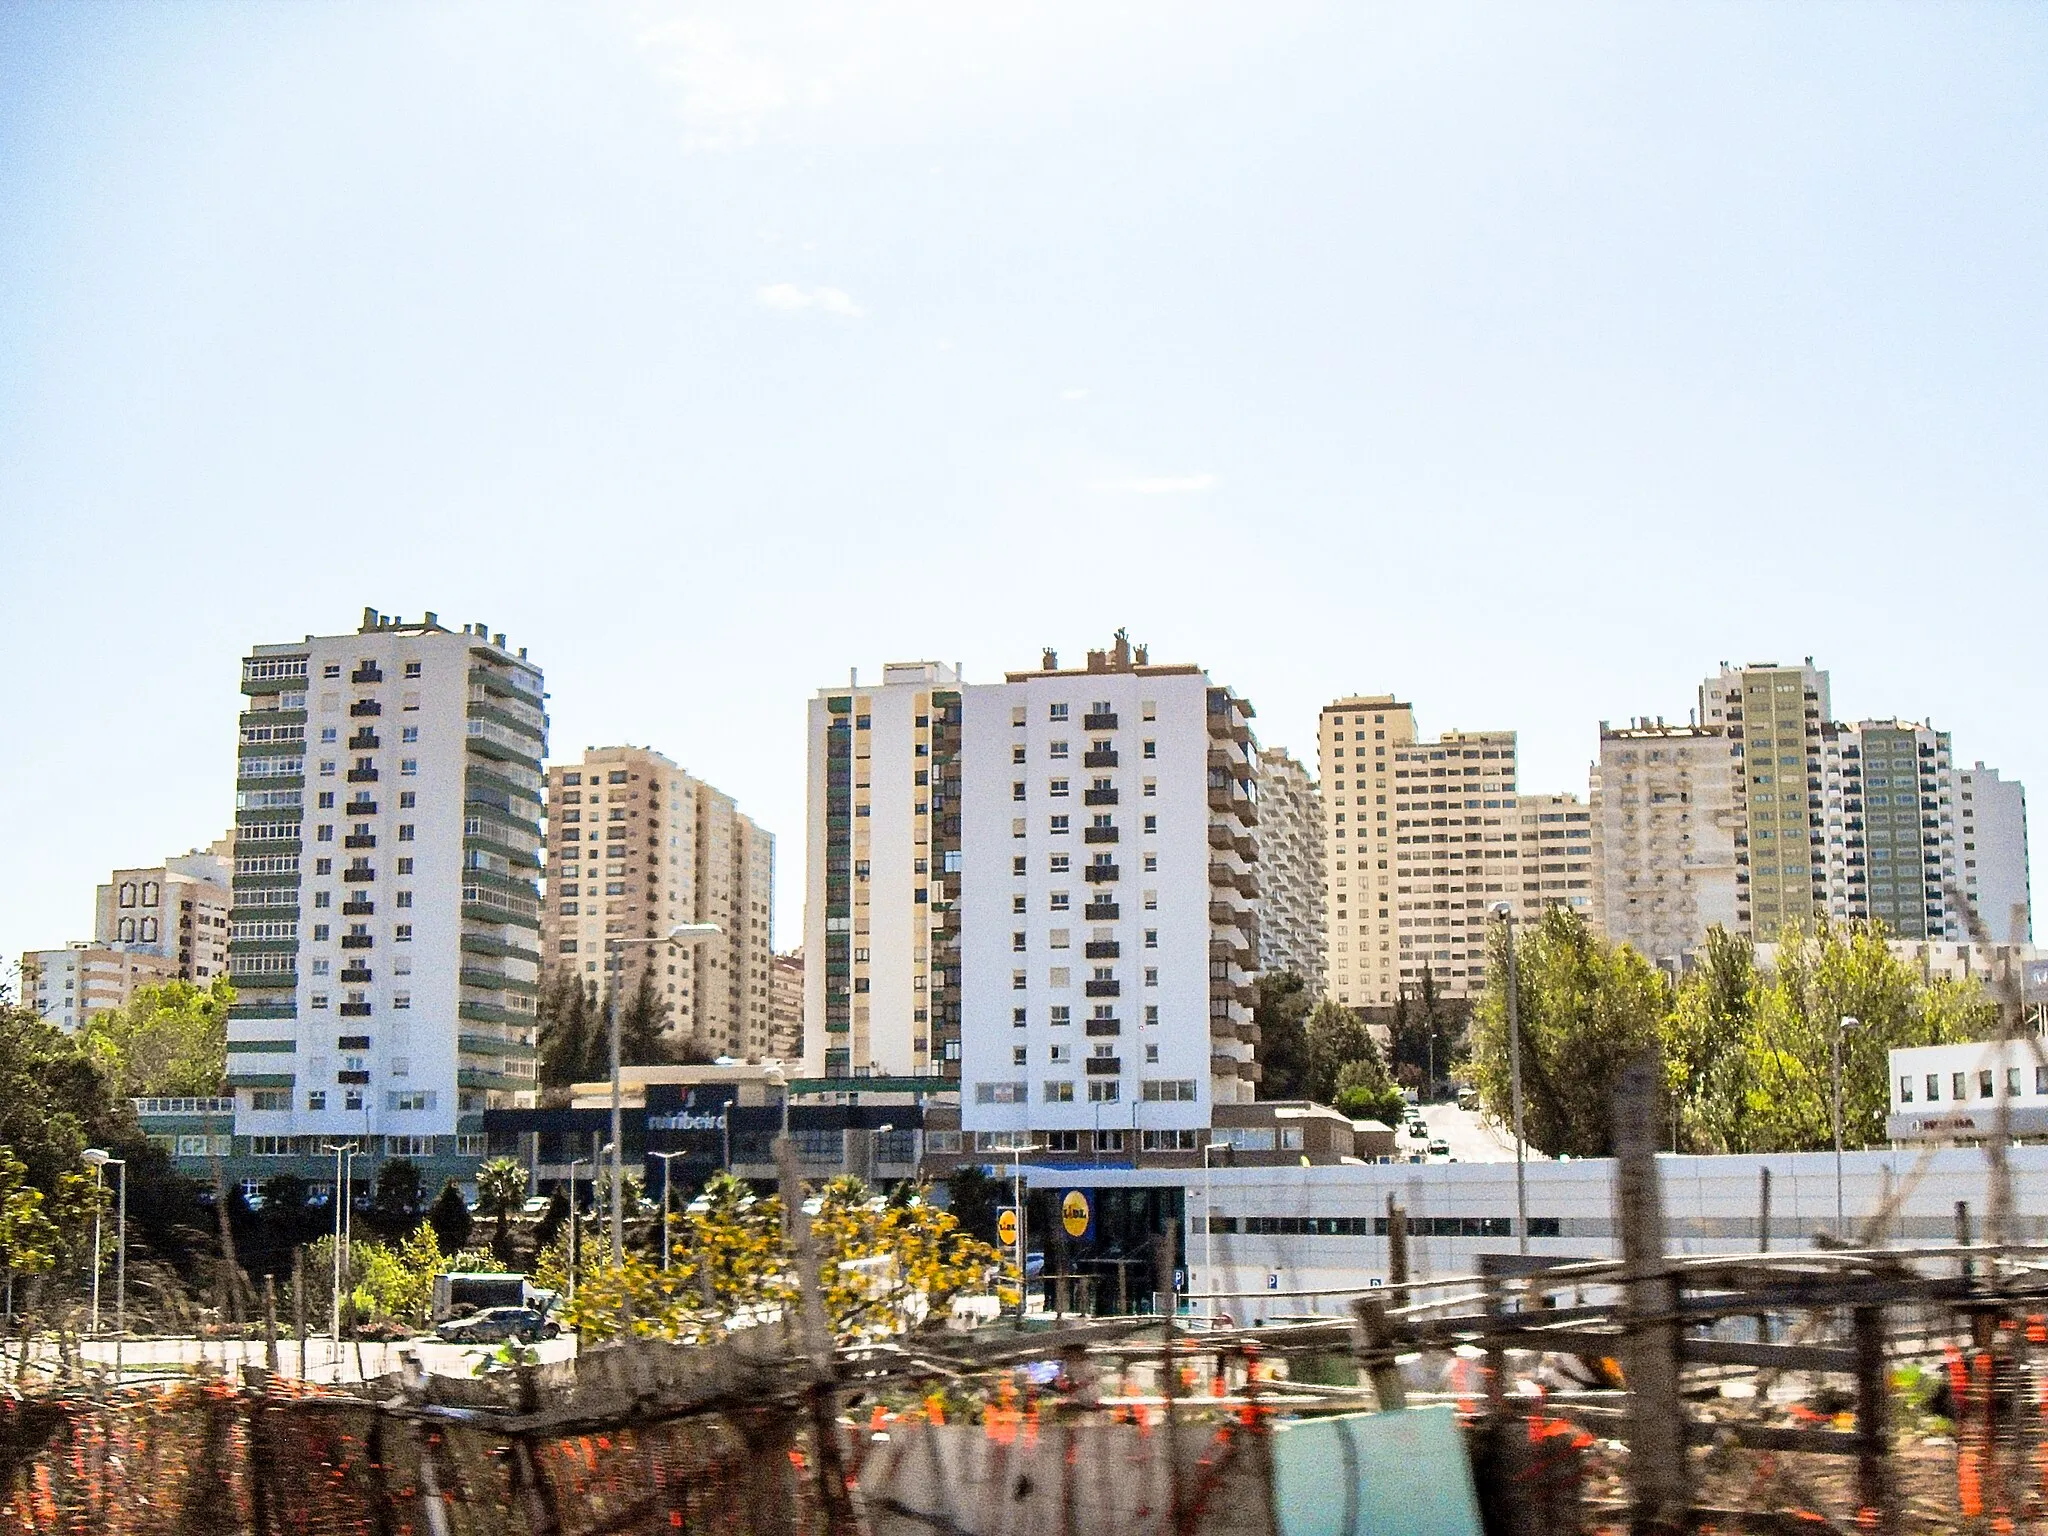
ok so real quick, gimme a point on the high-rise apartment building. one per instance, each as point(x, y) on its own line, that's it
point(68, 986)
point(1664, 823)
point(1991, 815)
point(1042, 888)
point(1290, 842)
point(638, 846)
point(1885, 803)
point(386, 921)
point(1355, 742)
point(178, 909)
point(1774, 717)
point(786, 1006)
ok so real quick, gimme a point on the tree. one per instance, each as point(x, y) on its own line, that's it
point(643, 1025)
point(167, 1041)
point(400, 1196)
point(1706, 1045)
point(30, 1242)
point(450, 1218)
point(1424, 1035)
point(1366, 1092)
point(1587, 1010)
point(1336, 1038)
point(501, 1190)
point(975, 1199)
point(567, 1032)
point(1281, 1013)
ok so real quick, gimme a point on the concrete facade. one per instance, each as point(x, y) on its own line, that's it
point(1290, 839)
point(1774, 717)
point(69, 985)
point(1991, 817)
point(178, 909)
point(1664, 821)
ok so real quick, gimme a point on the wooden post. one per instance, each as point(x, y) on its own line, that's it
point(1397, 1242)
point(1966, 1267)
point(1763, 1241)
point(1372, 1340)
point(1875, 1494)
point(299, 1305)
point(270, 1324)
point(835, 1492)
point(1169, 1367)
point(1658, 1469)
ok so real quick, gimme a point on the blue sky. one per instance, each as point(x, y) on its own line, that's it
point(1525, 361)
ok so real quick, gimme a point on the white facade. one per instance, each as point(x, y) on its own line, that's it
point(69, 985)
point(1991, 816)
point(1290, 870)
point(1957, 1092)
point(386, 921)
point(1664, 825)
point(178, 909)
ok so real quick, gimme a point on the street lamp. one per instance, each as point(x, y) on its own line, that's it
point(1506, 913)
point(682, 933)
point(1017, 1151)
point(1842, 1027)
point(574, 1164)
point(344, 1154)
point(1209, 1221)
point(667, 1167)
point(874, 1150)
point(98, 1160)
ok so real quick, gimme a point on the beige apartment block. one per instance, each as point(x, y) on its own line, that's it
point(1290, 839)
point(177, 909)
point(1664, 824)
point(786, 1006)
point(636, 847)
point(68, 986)
point(1355, 742)
point(1774, 717)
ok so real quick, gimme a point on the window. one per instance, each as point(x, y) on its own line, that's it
point(1151, 938)
point(1017, 790)
point(412, 669)
point(1017, 827)
point(324, 833)
point(319, 1000)
point(404, 898)
point(2012, 1080)
point(1169, 1090)
point(1058, 1093)
point(408, 734)
point(401, 999)
point(1151, 863)
point(409, 1100)
point(402, 933)
point(1017, 941)
point(316, 1100)
point(1984, 1084)
point(1059, 826)
point(327, 768)
point(1906, 1089)
point(1100, 1092)
point(1151, 1013)
point(1151, 1055)
point(1057, 712)
point(1933, 1087)
point(1057, 863)
point(1019, 1055)
point(1059, 749)
point(1061, 1014)
point(408, 767)
point(320, 931)
point(999, 1093)
point(1151, 823)
point(352, 1099)
point(405, 831)
point(1057, 789)
point(1019, 981)
point(1151, 748)
point(1061, 901)
point(270, 1100)
point(1019, 1017)
point(405, 866)
point(1151, 789)
point(1152, 975)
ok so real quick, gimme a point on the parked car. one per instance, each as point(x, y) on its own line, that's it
point(1439, 1149)
point(538, 1205)
point(495, 1324)
point(1418, 1130)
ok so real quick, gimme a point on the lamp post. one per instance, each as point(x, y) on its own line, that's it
point(344, 1154)
point(574, 1164)
point(682, 933)
point(874, 1150)
point(667, 1167)
point(1017, 1150)
point(1209, 1221)
point(1842, 1027)
point(1506, 913)
point(98, 1160)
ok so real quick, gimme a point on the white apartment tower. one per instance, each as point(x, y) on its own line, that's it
point(1664, 824)
point(1992, 818)
point(638, 846)
point(386, 922)
point(1042, 889)
point(1290, 869)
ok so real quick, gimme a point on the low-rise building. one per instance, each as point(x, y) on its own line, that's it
point(68, 986)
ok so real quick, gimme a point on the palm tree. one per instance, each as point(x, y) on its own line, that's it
point(500, 1190)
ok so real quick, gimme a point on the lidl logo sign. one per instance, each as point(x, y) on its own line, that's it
point(1006, 1227)
point(1075, 1214)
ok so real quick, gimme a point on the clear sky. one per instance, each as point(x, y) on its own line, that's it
point(1523, 360)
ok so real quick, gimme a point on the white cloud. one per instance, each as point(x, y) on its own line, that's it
point(788, 296)
point(1153, 485)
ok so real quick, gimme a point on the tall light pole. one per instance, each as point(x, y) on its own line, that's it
point(1209, 1222)
point(97, 1160)
point(1842, 1027)
point(682, 933)
point(1017, 1150)
point(574, 1164)
point(1506, 913)
point(343, 1153)
point(667, 1168)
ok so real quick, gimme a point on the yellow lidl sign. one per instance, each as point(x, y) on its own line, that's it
point(1006, 1227)
point(1074, 1213)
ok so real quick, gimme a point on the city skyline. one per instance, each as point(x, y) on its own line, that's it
point(1430, 350)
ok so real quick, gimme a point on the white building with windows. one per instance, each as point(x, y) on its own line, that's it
point(178, 909)
point(385, 928)
point(1992, 818)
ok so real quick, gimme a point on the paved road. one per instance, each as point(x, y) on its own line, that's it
point(145, 1356)
point(1472, 1139)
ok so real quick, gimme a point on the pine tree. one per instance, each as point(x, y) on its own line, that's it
point(643, 1021)
point(565, 1033)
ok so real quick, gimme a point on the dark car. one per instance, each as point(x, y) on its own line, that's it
point(495, 1324)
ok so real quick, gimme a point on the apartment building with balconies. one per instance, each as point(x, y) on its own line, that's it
point(637, 846)
point(68, 986)
point(177, 909)
point(386, 921)
point(1290, 839)
point(1664, 824)
point(1774, 716)
point(1886, 803)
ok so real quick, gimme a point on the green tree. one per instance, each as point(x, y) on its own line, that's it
point(400, 1198)
point(501, 1190)
point(1707, 1043)
point(643, 1022)
point(450, 1218)
point(168, 1041)
point(568, 1032)
point(1424, 1035)
point(1587, 1010)
point(1366, 1092)
point(30, 1242)
point(1336, 1038)
point(975, 1200)
point(1281, 1013)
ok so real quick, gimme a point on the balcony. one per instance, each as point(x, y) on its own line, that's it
point(1099, 721)
point(353, 1078)
point(1104, 1066)
point(1103, 1027)
point(1098, 797)
point(365, 740)
point(1103, 949)
point(1100, 757)
point(1099, 834)
point(356, 941)
point(368, 673)
point(360, 808)
point(355, 975)
point(361, 776)
point(360, 840)
point(360, 906)
point(363, 708)
point(1101, 911)
point(355, 1010)
point(358, 876)
point(1099, 874)
point(1222, 874)
point(1104, 989)
point(1222, 1027)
